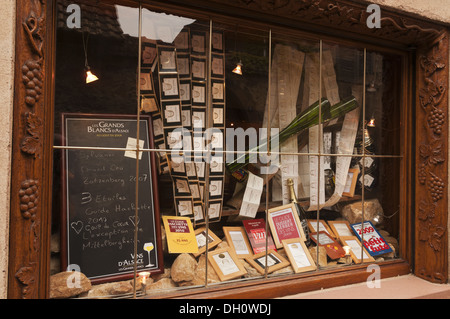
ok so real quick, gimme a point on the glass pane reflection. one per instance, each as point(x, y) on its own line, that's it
point(246, 224)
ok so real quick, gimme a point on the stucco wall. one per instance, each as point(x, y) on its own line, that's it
point(7, 29)
point(438, 10)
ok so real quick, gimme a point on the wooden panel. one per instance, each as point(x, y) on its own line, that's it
point(344, 18)
point(431, 202)
point(288, 285)
point(30, 182)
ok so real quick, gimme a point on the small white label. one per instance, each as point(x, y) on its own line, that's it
point(131, 144)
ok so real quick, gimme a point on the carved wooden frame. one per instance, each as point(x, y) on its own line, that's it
point(31, 174)
point(431, 205)
point(29, 245)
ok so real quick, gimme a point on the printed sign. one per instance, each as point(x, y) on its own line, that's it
point(99, 197)
point(373, 241)
point(256, 232)
point(180, 234)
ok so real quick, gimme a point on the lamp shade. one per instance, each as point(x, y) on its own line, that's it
point(90, 77)
point(238, 68)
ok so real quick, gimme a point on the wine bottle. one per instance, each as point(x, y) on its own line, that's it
point(300, 211)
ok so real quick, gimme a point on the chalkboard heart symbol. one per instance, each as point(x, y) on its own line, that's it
point(131, 218)
point(77, 226)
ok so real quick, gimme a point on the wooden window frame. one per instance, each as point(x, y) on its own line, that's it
point(426, 54)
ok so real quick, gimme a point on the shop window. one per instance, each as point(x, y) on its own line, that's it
point(290, 166)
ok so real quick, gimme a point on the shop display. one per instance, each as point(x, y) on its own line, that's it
point(306, 119)
point(181, 72)
point(224, 221)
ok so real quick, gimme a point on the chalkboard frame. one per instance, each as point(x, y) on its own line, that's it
point(154, 184)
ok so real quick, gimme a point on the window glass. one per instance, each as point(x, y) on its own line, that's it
point(257, 154)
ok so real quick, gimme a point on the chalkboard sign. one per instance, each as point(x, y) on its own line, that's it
point(99, 192)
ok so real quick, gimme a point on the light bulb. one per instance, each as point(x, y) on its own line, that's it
point(238, 68)
point(371, 87)
point(90, 77)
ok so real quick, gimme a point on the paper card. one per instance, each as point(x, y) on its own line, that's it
point(169, 86)
point(252, 196)
point(167, 59)
point(198, 42)
point(215, 187)
point(184, 206)
point(184, 68)
point(237, 239)
point(186, 118)
point(132, 144)
point(185, 91)
point(198, 94)
point(356, 251)
point(203, 238)
point(180, 235)
point(333, 248)
point(216, 166)
point(198, 69)
point(158, 127)
point(299, 255)
point(340, 228)
point(218, 115)
point(215, 209)
point(226, 264)
point(217, 41)
point(217, 65)
point(218, 91)
point(312, 224)
point(198, 118)
point(198, 211)
point(149, 104)
point(146, 82)
point(181, 186)
point(149, 54)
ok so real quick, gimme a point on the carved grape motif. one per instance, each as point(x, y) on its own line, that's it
point(436, 187)
point(422, 176)
point(29, 197)
point(436, 119)
point(32, 78)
